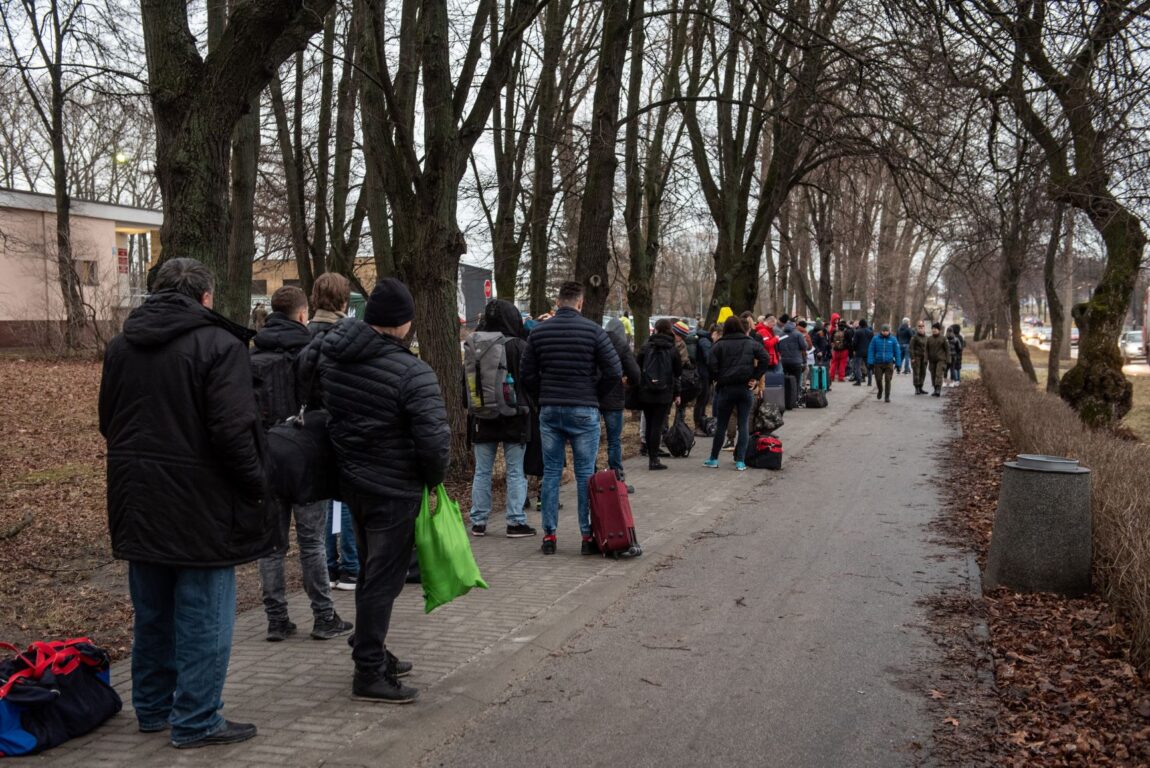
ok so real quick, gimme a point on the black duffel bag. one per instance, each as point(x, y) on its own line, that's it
point(301, 462)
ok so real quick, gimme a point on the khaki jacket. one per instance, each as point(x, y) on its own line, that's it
point(917, 348)
point(937, 349)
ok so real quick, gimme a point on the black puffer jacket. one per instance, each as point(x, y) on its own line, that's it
point(661, 344)
point(185, 447)
point(283, 336)
point(614, 399)
point(861, 340)
point(569, 361)
point(388, 423)
point(502, 317)
point(736, 359)
point(792, 346)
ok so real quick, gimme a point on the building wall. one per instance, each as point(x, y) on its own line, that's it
point(29, 277)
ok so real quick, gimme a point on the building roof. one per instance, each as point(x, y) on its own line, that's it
point(122, 215)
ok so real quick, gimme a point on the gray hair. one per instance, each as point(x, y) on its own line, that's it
point(186, 276)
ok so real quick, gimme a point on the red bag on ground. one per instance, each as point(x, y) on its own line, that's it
point(612, 526)
point(764, 452)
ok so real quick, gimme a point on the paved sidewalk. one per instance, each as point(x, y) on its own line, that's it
point(466, 654)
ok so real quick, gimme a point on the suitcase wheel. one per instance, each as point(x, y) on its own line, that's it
point(635, 551)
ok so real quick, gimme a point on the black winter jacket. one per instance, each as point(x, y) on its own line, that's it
point(703, 353)
point(282, 335)
point(388, 423)
point(736, 359)
point(614, 399)
point(821, 341)
point(569, 361)
point(502, 317)
point(793, 348)
point(861, 341)
point(185, 446)
point(661, 344)
point(320, 324)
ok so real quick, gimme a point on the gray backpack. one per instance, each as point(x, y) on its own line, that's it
point(490, 386)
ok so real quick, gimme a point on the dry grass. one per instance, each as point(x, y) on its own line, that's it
point(1042, 423)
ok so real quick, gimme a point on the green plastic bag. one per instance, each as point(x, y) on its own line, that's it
point(446, 565)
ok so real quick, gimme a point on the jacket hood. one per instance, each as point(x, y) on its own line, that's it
point(501, 316)
point(789, 328)
point(167, 315)
point(351, 340)
point(661, 340)
point(280, 332)
point(616, 331)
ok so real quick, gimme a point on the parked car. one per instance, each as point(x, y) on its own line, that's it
point(692, 322)
point(1130, 344)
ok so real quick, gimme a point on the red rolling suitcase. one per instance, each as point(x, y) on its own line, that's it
point(611, 523)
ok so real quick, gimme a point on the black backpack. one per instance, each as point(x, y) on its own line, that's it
point(679, 438)
point(690, 385)
point(301, 465)
point(658, 371)
point(274, 377)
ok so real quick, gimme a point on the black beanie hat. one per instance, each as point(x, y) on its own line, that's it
point(390, 304)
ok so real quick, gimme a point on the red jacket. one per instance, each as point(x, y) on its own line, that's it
point(770, 341)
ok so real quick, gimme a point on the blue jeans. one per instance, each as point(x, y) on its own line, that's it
point(728, 399)
point(181, 643)
point(516, 482)
point(905, 368)
point(559, 425)
point(614, 423)
point(342, 553)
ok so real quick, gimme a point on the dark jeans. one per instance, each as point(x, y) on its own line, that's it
point(181, 643)
point(613, 421)
point(385, 534)
point(701, 403)
point(310, 524)
point(342, 555)
point(729, 399)
point(656, 415)
point(905, 367)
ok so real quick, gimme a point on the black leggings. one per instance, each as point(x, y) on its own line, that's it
point(655, 415)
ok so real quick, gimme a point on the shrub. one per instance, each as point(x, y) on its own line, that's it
point(1042, 423)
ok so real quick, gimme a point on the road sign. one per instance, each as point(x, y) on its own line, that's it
point(851, 304)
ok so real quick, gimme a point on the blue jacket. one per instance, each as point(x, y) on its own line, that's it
point(884, 350)
point(569, 361)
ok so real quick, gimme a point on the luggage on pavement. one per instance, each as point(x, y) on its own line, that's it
point(447, 568)
point(678, 438)
point(816, 398)
point(819, 377)
point(766, 418)
point(52, 692)
point(764, 452)
point(774, 389)
point(612, 525)
point(792, 393)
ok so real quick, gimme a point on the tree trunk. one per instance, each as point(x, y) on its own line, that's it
point(593, 252)
point(1057, 319)
point(234, 296)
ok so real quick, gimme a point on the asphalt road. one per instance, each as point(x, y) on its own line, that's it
point(790, 634)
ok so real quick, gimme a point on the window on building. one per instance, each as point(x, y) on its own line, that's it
point(87, 273)
point(259, 287)
point(292, 283)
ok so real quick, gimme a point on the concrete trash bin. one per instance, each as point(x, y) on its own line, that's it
point(1042, 539)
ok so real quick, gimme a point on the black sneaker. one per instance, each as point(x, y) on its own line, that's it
point(397, 667)
point(278, 631)
point(549, 544)
point(630, 489)
point(346, 583)
point(880, 394)
point(656, 465)
point(521, 531)
point(381, 687)
point(231, 733)
point(478, 530)
point(589, 547)
point(333, 626)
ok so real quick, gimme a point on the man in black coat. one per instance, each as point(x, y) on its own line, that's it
point(569, 362)
point(185, 488)
point(702, 353)
point(861, 342)
point(280, 342)
point(389, 431)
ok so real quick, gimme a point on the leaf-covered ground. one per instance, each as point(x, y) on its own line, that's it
point(57, 575)
point(1056, 686)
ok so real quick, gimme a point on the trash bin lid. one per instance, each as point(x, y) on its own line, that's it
point(1046, 463)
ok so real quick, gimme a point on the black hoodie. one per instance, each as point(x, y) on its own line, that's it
point(388, 423)
point(502, 317)
point(614, 400)
point(185, 448)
